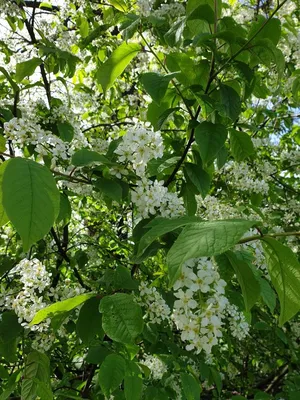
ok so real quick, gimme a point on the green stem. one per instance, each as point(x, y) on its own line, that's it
point(271, 235)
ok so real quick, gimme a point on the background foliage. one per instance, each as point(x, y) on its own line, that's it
point(149, 202)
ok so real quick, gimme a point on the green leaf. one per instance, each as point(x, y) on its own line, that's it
point(156, 84)
point(204, 239)
point(65, 210)
point(118, 4)
point(160, 226)
point(190, 386)
point(89, 323)
point(123, 279)
point(267, 293)
point(198, 177)
point(10, 80)
point(241, 145)
point(60, 307)
point(284, 270)
point(111, 373)
point(30, 198)
point(205, 12)
point(3, 217)
point(163, 117)
point(27, 68)
point(97, 354)
point(36, 377)
point(66, 131)
point(210, 138)
point(85, 157)
point(133, 387)
point(116, 63)
point(174, 36)
point(247, 280)
point(271, 29)
point(122, 318)
point(110, 188)
point(217, 379)
point(10, 330)
point(231, 101)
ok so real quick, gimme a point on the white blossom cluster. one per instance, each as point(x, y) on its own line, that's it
point(172, 10)
point(238, 325)
point(9, 8)
point(153, 197)
point(201, 305)
point(157, 367)
point(139, 146)
point(243, 178)
point(145, 7)
point(156, 308)
point(34, 279)
point(22, 132)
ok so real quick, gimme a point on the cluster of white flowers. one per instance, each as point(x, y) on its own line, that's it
point(145, 7)
point(153, 197)
point(157, 367)
point(156, 308)
point(9, 7)
point(243, 178)
point(23, 132)
point(293, 156)
point(238, 325)
point(35, 279)
point(172, 10)
point(139, 146)
point(201, 304)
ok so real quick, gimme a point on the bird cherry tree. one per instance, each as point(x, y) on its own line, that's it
point(149, 199)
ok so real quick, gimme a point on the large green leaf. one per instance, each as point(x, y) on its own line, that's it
point(111, 373)
point(27, 68)
point(247, 280)
point(89, 323)
point(66, 131)
point(190, 386)
point(231, 101)
point(116, 63)
point(110, 188)
point(198, 177)
point(85, 157)
point(133, 387)
point(204, 239)
point(241, 145)
point(30, 198)
point(36, 379)
point(60, 307)
point(10, 330)
point(3, 216)
point(122, 318)
point(160, 226)
point(271, 29)
point(210, 139)
point(284, 270)
point(156, 84)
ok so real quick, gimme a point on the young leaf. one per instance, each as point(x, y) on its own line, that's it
point(210, 138)
point(231, 102)
point(204, 239)
point(159, 227)
point(30, 198)
point(27, 68)
point(133, 387)
point(116, 63)
point(111, 373)
point(66, 131)
point(156, 84)
point(284, 270)
point(191, 387)
point(85, 157)
point(241, 145)
point(198, 177)
point(122, 318)
point(36, 377)
point(247, 280)
point(60, 307)
point(89, 322)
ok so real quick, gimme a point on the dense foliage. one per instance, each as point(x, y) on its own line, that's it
point(149, 201)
